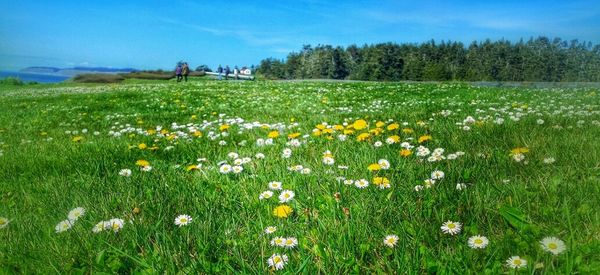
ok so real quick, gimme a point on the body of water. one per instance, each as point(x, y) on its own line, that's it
point(28, 77)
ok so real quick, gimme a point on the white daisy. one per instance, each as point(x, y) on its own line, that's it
point(384, 164)
point(237, 169)
point(114, 224)
point(286, 195)
point(275, 185)
point(516, 262)
point(390, 240)
point(270, 229)
point(99, 227)
point(478, 242)
point(278, 241)
point(63, 226)
point(277, 261)
point(76, 213)
point(3, 222)
point(125, 172)
point(225, 169)
point(418, 188)
point(451, 227)
point(290, 242)
point(146, 168)
point(437, 175)
point(553, 245)
point(549, 160)
point(182, 220)
point(328, 161)
point(265, 195)
point(361, 183)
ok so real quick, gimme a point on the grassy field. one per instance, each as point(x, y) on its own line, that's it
point(376, 169)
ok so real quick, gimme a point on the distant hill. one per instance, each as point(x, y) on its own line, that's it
point(75, 70)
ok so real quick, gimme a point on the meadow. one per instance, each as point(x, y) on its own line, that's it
point(298, 177)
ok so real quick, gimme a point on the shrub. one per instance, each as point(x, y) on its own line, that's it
point(11, 81)
point(98, 78)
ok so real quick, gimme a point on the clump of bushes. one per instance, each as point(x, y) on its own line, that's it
point(98, 78)
point(150, 75)
point(11, 81)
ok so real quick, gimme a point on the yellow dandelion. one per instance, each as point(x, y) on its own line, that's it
point(405, 152)
point(282, 211)
point(360, 124)
point(197, 133)
point(223, 127)
point(142, 146)
point(381, 180)
point(379, 124)
point(393, 126)
point(519, 150)
point(77, 138)
point(374, 167)
point(338, 127)
point(191, 167)
point(424, 138)
point(273, 134)
point(363, 137)
point(293, 135)
point(142, 163)
point(408, 131)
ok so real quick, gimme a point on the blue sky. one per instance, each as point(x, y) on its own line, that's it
point(156, 34)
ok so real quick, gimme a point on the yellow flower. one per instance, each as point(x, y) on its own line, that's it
point(142, 146)
point(317, 132)
point(381, 180)
point(282, 211)
point(338, 127)
point(519, 150)
point(360, 124)
point(395, 138)
point(374, 167)
point(405, 152)
point(424, 138)
point(379, 124)
point(197, 133)
point(393, 126)
point(273, 134)
point(293, 135)
point(223, 127)
point(164, 131)
point(151, 131)
point(77, 138)
point(194, 117)
point(142, 163)
point(328, 131)
point(191, 167)
point(321, 126)
point(348, 132)
point(362, 136)
point(408, 131)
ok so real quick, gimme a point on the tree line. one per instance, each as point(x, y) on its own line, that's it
point(539, 59)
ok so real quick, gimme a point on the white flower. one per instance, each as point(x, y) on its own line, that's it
point(182, 220)
point(460, 186)
point(516, 262)
point(418, 188)
point(237, 169)
point(478, 242)
point(278, 241)
point(452, 156)
point(259, 156)
point(553, 245)
point(277, 261)
point(384, 164)
point(437, 175)
point(305, 171)
point(76, 213)
point(286, 195)
point(99, 227)
point(518, 157)
point(348, 182)
point(146, 168)
point(361, 183)
point(114, 224)
point(270, 229)
point(451, 227)
point(390, 240)
point(63, 226)
point(466, 128)
point(377, 143)
point(429, 183)
point(540, 121)
point(225, 169)
point(328, 161)
point(265, 195)
point(549, 160)
point(275, 185)
point(342, 137)
point(291, 242)
point(233, 155)
point(3, 222)
point(125, 172)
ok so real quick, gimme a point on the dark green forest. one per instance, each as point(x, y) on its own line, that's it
point(538, 59)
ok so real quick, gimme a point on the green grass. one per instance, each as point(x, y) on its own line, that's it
point(340, 228)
